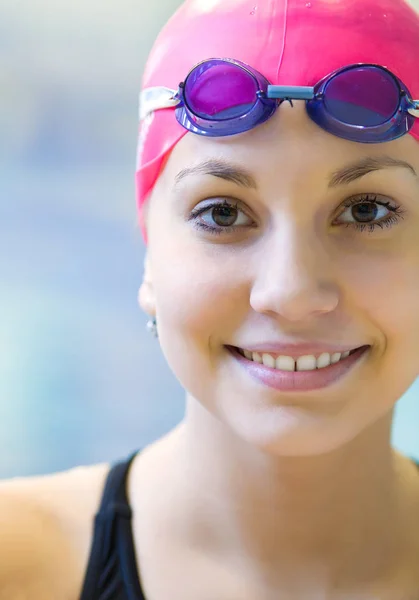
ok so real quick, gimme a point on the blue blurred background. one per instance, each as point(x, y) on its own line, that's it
point(81, 380)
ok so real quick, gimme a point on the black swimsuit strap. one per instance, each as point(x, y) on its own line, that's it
point(112, 570)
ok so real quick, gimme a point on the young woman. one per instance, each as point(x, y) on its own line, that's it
point(278, 190)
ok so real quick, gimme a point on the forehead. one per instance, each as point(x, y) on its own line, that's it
point(289, 141)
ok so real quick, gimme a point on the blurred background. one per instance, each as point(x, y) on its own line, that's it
point(81, 380)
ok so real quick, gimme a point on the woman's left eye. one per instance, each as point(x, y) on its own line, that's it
point(369, 212)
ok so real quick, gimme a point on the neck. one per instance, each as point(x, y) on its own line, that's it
point(344, 509)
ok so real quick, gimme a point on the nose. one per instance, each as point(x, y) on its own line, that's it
point(295, 277)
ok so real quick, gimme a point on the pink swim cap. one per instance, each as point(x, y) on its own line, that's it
point(291, 42)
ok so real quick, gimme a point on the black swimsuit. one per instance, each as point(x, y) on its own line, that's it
point(112, 570)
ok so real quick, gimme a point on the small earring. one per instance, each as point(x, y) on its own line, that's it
point(152, 327)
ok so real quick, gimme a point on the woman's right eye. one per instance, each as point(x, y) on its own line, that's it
point(220, 217)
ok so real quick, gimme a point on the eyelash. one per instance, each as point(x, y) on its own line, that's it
point(389, 221)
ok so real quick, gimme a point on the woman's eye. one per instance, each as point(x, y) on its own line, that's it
point(219, 217)
point(370, 212)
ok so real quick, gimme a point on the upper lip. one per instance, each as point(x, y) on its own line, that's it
point(297, 350)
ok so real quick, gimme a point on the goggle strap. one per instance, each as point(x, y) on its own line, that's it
point(414, 108)
point(156, 98)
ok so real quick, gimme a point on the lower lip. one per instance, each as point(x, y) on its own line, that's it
point(299, 381)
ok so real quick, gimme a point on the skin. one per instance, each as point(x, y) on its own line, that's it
point(303, 491)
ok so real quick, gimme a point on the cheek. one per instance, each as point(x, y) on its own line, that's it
point(201, 294)
point(385, 288)
point(201, 301)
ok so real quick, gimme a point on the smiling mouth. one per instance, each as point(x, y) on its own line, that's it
point(309, 362)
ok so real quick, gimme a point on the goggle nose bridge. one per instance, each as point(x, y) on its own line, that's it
point(290, 92)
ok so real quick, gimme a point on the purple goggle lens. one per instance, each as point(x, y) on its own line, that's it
point(362, 96)
point(220, 90)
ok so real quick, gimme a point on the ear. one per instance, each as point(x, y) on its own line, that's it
point(146, 298)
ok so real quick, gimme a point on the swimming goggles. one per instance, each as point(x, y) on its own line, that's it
point(220, 97)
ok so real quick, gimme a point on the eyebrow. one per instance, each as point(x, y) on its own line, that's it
point(240, 176)
point(222, 170)
point(365, 166)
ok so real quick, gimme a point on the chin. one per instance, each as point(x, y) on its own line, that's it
point(289, 433)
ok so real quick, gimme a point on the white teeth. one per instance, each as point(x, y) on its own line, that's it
point(285, 363)
point(257, 357)
point(303, 363)
point(268, 360)
point(323, 360)
point(306, 363)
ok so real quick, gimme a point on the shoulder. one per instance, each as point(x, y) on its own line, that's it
point(46, 526)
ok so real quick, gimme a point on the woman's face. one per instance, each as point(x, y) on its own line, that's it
point(303, 250)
